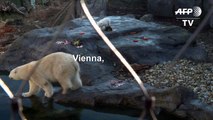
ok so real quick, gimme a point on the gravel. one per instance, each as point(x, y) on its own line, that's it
point(196, 76)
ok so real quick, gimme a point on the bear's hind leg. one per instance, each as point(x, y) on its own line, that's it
point(76, 81)
point(33, 89)
point(46, 86)
point(65, 84)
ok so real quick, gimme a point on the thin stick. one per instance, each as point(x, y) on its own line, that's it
point(6, 89)
point(20, 109)
point(60, 13)
point(11, 96)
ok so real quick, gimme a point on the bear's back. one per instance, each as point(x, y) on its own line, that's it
point(56, 64)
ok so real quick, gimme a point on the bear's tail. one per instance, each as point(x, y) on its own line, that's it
point(77, 83)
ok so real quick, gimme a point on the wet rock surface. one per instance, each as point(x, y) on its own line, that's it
point(179, 101)
point(129, 95)
point(140, 42)
point(135, 39)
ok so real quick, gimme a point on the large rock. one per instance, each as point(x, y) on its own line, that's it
point(197, 110)
point(140, 42)
point(129, 96)
point(126, 94)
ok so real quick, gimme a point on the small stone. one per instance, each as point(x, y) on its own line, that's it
point(195, 89)
point(180, 81)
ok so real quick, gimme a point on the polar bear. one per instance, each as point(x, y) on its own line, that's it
point(105, 24)
point(56, 67)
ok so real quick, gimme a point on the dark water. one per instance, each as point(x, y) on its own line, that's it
point(35, 109)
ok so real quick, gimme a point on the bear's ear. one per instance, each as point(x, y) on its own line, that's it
point(16, 70)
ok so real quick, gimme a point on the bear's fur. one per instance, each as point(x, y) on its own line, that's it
point(105, 24)
point(56, 67)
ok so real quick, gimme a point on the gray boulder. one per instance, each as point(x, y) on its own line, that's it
point(147, 18)
point(140, 42)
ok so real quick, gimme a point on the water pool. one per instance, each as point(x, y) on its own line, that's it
point(34, 109)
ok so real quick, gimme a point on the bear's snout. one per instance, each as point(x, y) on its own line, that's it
point(10, 76)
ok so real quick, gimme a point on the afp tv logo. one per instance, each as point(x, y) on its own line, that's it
point(188, 15)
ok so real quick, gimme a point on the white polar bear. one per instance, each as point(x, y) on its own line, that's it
point(56, 67)
point(105, 24)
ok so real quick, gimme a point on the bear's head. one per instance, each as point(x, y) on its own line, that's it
point(22, 72)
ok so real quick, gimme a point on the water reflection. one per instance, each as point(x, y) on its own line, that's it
point(5, 102)
point(36, 109)
point(49, 111)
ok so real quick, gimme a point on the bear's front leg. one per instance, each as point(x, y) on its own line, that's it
point(43, 83)
point(47, 87)
point(48, 90)
point(33, 89)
